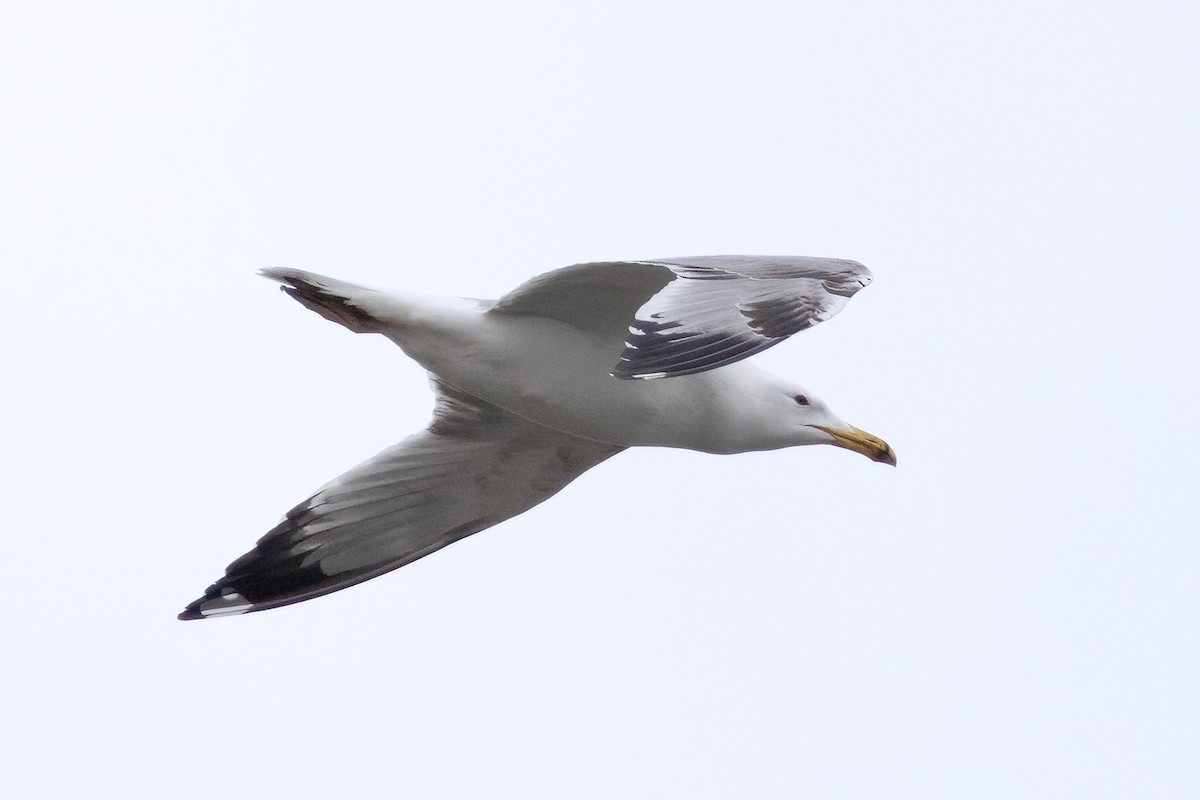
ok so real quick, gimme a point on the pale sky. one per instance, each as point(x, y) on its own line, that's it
point(1010, 613)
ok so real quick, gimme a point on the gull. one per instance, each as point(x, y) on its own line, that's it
point(534, 389)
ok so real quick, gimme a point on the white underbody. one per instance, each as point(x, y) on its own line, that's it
point(562, 378)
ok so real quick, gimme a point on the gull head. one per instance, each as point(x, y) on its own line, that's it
point(807, 420)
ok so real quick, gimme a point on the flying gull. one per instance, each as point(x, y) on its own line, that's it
point(534, 389)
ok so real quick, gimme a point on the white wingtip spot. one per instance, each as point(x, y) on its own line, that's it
point(227, 603)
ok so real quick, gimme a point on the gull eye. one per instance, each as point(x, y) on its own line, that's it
point(801, 400)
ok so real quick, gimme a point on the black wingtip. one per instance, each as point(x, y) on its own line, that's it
point(192, 611)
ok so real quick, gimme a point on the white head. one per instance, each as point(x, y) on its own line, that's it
point(789, 415)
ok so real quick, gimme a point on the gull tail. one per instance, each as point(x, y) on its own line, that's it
point(359, 308)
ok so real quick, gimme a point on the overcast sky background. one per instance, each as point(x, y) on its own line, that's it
point(1011, 612)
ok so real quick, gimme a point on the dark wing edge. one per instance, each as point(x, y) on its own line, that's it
point(474, 467)
point(722, 309)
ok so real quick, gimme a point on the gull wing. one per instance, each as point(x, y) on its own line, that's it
point(679, 316)
point(473, 467)
point(602, 297)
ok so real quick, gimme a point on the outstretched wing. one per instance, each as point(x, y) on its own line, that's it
point(475, 466)
point(679, 316)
